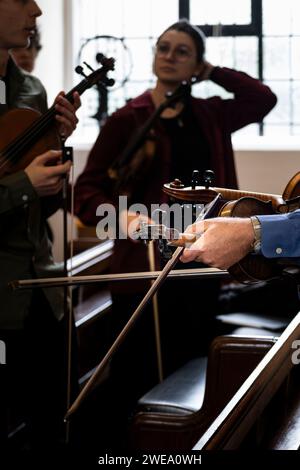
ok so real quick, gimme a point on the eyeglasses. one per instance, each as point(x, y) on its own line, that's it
point(181, 53)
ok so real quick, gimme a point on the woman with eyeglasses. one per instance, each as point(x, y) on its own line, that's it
point(194, 134)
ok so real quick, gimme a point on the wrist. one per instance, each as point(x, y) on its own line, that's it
point(256, 226)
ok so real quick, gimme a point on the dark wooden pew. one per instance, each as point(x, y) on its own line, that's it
point(174, 413)
point(265, 411)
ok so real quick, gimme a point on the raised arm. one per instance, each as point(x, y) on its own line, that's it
point(252, 99)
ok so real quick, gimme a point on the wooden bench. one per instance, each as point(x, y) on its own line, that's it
point(174, 413)
point(264, 413)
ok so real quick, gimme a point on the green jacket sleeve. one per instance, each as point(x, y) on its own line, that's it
point(15, 190)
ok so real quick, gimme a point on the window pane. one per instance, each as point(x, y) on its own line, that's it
point(295, 130)
point(220, 51)
point(282, 129)
point(295, 17)
point(141, 51)
point(277, 17)
point(281, 25)
point(251, 129)
point(296, 102)
point(276, 58)
point(220, 11)
point(93, 17)
point(137, 18)
point(163, 14)
point(237, 52)
point(246, 55)
point(279, 20)
point(295, 56)
point(281, 114)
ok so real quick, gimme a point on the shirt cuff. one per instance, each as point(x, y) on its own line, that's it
point(280, 235)
point(19, 188)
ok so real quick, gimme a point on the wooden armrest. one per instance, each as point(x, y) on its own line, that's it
point(91, 261)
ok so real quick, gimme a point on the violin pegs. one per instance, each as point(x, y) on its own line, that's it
point(89, 67)
point(80, 71)
point(195, 179)
point(208, 178)
point(176, 184)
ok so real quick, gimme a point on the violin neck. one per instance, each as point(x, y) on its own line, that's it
point(233, 194)
point(80, 88)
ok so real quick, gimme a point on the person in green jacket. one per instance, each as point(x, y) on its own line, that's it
point(31, 322)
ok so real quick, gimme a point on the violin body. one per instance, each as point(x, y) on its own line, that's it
point(252, 268)
point(16, 123)
point(292, 189)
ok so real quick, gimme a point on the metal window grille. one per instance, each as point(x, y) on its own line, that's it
point(258, 37)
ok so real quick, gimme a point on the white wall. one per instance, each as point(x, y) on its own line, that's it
point(266, 164)
point(50, 62)
point(266, 171)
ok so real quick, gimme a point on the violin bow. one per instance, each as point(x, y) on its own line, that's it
point(88, 82)
point(205, 213)
point(71, 281)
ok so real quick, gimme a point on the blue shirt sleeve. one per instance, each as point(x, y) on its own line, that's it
point(280, 235)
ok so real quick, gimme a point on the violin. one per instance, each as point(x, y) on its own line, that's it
point(26, 133)
point(204, 194)
point(234, 203)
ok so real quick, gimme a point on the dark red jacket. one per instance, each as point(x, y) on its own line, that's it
point(216, 117)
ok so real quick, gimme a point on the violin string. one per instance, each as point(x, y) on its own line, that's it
point(12, 151)
point(15, 147)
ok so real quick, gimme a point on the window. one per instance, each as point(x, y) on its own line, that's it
point(281, 38)
point(135, 25)
point(214, 12)
point(256, 36)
